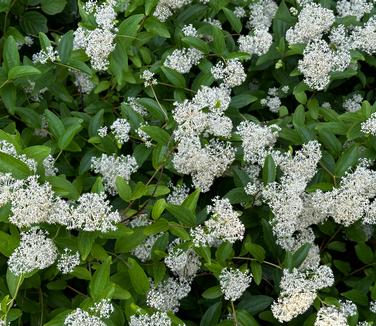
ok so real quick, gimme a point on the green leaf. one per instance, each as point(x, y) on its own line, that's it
point(9, 164)
point(219, 44)
point(123, 189)
point(158, 134)
point(242, 100)
point(269, 170)
point(14, 282)
point(255, 303)
point(182, 214)
point(298, 117)
point(65, 46)
point(54, 124)
point(174, 77)
point(212, 315)
point(300, 255)
point(158, 208)
point(234, 21)
point(10, 53)
point(101, 280)
point(139, 280)
point(191, 201)
point(364, 253)
point(7, 242)
point(157, 190)
point(255, 250)
point(22, 72)
point(53, 7)
point(153, 25)
point(68, 136)
point(256, 269)
point(347, 159)
point(196, 43)
point(85, 243)
point(33, 22)
point(212, 293)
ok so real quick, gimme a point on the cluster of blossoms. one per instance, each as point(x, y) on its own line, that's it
point(32, 203)
point(68, 261)
point(369, 126)
point(184, 263)
point(111, 167)
point(333, 315)
point(328, 46)
point(100, 310)
point(178, 194)
point(183, 60)
point(166, 8)
point(143, 250)
point(99, 42)
point(9, 149)
point(223, 225)
point(261, 15)
point(156, 319)
point(45, 55)
point(167, 294)
point(35, 251)
point(272, 100)
point(353, 103)
point(299, 290)
point(233, 283)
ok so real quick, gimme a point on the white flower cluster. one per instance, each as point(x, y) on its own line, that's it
point(110, 167)
point(299, 290)
point(286, 198)
point(189, 31)
point(35, 251)
point(43, 56)
point(184, 263)
point(313, 21)
point(183, 60)
point(143, 250)
point(167, 294)
point(148, 78)
point(259, 40)
point(234, 282)
point(357, 8)
point(93, 212)
point(10, 149)
point(319, 61)
point(353, 103)
point(120, 129)
point(103, 308)
point(364, 37)
point(335, 316)
point(49, 166)
point(203, 116)
point(262, 13)
point(231, 73)
point(7, 187)
point(68, 261)
point(257, 140)
point(369, 126)
point(258, 43)
point(223, 225)
point(166, 8)
point(32, 203)
point(83, 82)
point(178, 194)
point(98, 43)
point(193, 120)
point(132, 103)
point(79, 317)
point(156, 319)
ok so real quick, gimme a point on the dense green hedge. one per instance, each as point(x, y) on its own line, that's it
point(187, 162)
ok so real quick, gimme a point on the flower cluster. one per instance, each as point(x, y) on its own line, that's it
point(233, 283)
point(298, 291)
point(223, 225)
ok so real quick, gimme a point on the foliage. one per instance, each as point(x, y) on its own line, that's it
point(58, 103)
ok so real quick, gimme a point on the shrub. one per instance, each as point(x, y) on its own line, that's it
point(187, 162)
